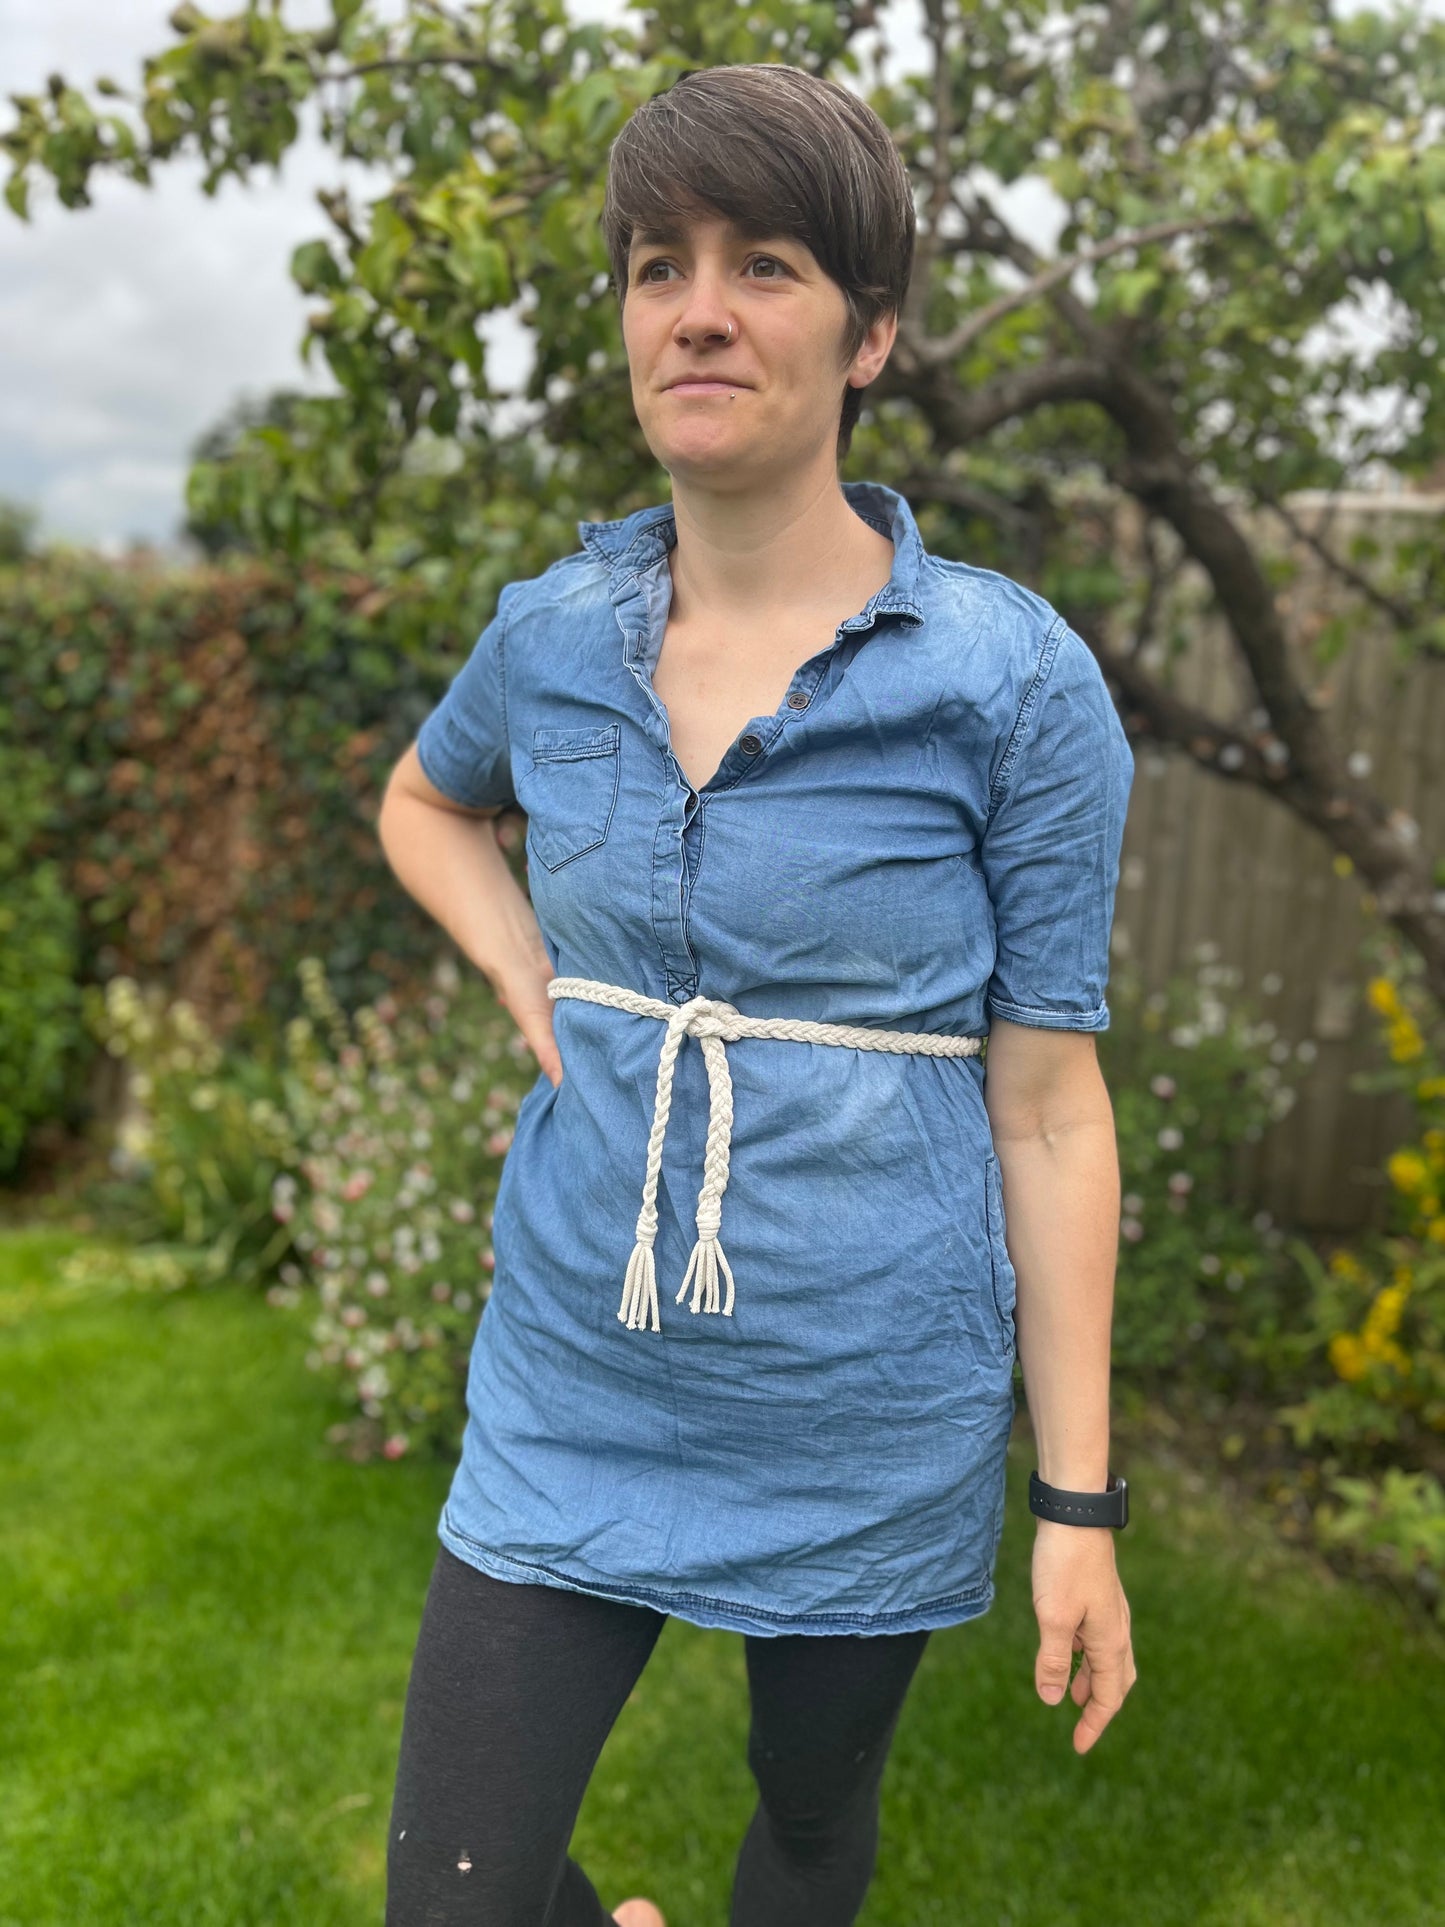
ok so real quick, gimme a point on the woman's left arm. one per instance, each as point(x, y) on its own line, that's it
point(1053, 1129)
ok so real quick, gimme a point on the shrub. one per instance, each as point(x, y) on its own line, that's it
point(1376, 1317)
point(1202, 1285)
point(41, 1032)
point(405, 1117)
point(206, 1136)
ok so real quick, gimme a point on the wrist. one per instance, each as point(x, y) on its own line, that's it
point(1087, 1475)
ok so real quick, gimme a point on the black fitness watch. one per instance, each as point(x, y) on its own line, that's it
point(1107, 1508)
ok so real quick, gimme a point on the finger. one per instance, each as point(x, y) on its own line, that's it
point(1054, 1660)
point(541, 1041)
point(1104, 1698)
point(1092, 1721)
point(1082, 1683)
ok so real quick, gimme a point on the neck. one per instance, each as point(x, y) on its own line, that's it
point(761, 556)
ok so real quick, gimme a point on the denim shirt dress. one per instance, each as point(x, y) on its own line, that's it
point(925, 834)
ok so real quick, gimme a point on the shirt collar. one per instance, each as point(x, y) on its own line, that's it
point(634, 542)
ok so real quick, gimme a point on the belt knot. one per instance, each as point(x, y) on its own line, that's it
point(707, 1017)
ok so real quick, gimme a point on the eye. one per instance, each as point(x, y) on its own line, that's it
point(644, 272)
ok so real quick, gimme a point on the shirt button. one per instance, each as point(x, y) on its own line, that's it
point(750, 745)
point(798, 700)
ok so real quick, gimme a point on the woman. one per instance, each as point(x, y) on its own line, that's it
point(778, 763)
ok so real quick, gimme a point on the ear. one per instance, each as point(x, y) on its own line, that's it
point(873, 352)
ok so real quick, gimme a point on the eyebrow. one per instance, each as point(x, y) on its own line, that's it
point(670, 232)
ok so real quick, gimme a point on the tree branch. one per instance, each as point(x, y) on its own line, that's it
point(941, 348)
point(1398, 612)
point(958, 418)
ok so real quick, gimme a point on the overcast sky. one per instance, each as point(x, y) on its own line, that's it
point(129, 327)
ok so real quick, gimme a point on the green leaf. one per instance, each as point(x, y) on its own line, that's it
point(1130, 288)
point(314, 267)
point(1268, 191)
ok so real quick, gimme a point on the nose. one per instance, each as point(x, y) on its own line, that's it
point(703, 330)
point(704, 318)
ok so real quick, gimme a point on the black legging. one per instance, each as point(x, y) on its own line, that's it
point(513, 1690)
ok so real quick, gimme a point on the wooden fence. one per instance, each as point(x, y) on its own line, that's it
point(1214, 864)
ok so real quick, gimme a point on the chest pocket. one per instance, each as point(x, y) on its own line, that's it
point(570, 791)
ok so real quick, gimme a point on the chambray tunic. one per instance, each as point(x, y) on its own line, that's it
point(924, 834)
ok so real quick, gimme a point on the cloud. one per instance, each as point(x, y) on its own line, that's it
point(127, 328)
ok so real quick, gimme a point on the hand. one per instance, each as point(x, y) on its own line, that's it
point(1081, 1608)
point(521, 987)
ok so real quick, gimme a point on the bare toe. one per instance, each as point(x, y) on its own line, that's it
point(638, 1913)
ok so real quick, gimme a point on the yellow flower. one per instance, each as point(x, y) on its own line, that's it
point(1407, 1171)
point(1383, 996)
point(1384, 1316)
point(1406, 1042)
point(1435, 1231)
point(1344, 1264)
point(1345, 1356)
point(1429, 1087)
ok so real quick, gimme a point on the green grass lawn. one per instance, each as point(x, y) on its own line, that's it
point(208, 1624)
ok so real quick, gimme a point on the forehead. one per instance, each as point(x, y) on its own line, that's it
point(670, 231)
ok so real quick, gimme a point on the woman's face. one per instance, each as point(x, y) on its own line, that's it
point(781, 365)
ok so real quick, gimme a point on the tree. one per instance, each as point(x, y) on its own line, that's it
point(220, 445)
point(1231, 174)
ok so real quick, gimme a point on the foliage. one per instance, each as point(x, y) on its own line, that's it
point(17, 531)
point(1399, 1518)
point(220, 442)
point(354, 1174)
point(208, 1137)
point(1376, 1317)
point(41, 1035)
point(223, 736)
point(1196, 1075)
point(405, 1118)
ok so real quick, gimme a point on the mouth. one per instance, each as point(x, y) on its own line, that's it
point(702, 387)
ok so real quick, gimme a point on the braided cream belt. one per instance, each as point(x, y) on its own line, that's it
point(711, 1021)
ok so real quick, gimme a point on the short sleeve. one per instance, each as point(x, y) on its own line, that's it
point(1050, 853)
point(462, 746)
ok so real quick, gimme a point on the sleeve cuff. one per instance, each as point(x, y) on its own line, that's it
point(446, 771)
point(1041, 1019)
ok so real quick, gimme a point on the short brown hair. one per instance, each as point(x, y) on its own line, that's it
point(780, 150)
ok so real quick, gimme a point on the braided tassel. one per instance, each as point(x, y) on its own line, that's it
point(639, 1287)
point(707, 1253)
point(639, 1290)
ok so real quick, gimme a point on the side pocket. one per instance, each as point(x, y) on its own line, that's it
point(1005, 1284)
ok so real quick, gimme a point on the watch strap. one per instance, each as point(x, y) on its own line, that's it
point(1107, 1508)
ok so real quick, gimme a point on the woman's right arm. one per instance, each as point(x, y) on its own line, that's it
point(447, 857)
